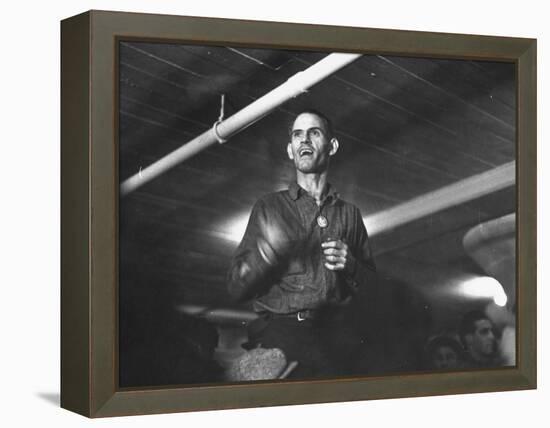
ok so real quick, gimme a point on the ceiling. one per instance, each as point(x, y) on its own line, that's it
point(406, 126)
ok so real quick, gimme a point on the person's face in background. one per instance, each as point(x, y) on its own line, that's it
point(445, 357)
point(482, 340)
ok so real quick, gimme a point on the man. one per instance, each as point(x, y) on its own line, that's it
point(303, 255)
point(478, 338)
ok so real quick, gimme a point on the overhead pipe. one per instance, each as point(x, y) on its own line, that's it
point(429, 203)
point(222, 130)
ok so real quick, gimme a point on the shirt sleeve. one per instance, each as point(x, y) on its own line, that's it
point(361, 271)
point(250, 267)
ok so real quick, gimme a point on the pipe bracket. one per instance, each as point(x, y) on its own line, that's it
point(220, 139)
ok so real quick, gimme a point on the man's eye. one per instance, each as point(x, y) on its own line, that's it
point(315, 133)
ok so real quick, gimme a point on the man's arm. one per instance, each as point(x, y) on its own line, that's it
point(267, 243)
point(361, 270)
point(249, 267)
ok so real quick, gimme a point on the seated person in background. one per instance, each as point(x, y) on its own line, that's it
point(443, 353)
point(479, 341)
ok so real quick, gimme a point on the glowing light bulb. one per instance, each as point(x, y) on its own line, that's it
point(484, 287)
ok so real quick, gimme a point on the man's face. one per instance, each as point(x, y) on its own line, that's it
point(483, 340)
point(310, 146)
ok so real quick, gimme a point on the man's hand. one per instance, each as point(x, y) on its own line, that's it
point(337, 255)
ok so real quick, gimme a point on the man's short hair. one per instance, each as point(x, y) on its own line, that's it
point(468, 324)
point(324, 118)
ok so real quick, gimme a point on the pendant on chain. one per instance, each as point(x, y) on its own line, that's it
point(322, 221)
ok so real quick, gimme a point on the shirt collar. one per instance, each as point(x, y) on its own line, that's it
point(295, 191)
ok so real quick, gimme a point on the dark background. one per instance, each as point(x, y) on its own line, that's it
point(406, 126)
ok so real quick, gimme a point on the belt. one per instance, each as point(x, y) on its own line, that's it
point(306, 314)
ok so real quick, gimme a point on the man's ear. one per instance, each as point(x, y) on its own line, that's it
point(334, 146)
point(289, 151)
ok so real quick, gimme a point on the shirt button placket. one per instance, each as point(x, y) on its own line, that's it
point(323, 236)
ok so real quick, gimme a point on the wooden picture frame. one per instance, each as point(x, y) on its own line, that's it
point(89, 212)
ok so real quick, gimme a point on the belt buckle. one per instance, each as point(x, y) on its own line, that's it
point(300, 315)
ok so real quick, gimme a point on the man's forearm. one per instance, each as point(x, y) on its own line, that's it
point(360, 273)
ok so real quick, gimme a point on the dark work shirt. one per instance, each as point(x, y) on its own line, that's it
point(288, 220)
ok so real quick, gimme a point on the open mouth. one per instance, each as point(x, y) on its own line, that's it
point(305, 152)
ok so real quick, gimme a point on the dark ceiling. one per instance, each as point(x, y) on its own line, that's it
point(406, 126)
